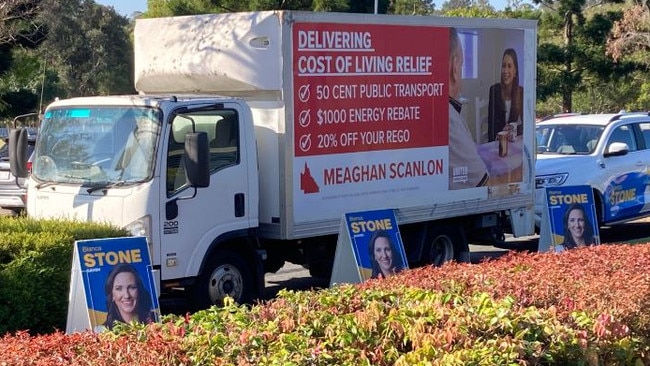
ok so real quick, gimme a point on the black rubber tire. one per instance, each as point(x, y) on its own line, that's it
point(321, 270)
point(444, 243)
point(18, 211)
point(226, 274)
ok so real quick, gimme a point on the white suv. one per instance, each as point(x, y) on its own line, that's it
point(609, 152)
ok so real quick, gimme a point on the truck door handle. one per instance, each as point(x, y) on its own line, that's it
point(240, 207)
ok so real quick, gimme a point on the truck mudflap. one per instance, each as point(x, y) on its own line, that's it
point(522, 221)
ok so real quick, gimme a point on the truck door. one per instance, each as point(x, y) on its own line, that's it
point(213, 211)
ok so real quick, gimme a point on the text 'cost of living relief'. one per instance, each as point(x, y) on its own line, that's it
point(339, 41)
point(364, 88)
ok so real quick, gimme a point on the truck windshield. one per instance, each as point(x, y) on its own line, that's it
point(96, 146)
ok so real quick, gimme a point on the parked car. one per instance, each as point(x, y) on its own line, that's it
point(559, 115)
point(12, 189)
point(609, 152)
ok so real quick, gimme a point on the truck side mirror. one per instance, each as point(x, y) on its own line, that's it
point(197, 159)
point(18, 152)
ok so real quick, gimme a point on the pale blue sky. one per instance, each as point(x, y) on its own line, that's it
point(127, 7)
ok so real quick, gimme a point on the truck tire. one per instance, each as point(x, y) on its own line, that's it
point(320, 256)
point(321, 270)
point(444, 243)
point(226, 274)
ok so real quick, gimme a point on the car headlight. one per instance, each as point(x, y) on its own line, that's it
point(551, 180)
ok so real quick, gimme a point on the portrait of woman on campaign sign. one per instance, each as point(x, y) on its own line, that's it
point(384, 256)
point(127, 298)
point(377, 243)
point(578, 228)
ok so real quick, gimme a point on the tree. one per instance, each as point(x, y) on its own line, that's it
point(164, 8)
point(473, 11)
point(630, 41)
point(18, 30)
point(88, 48)
point(572, 38)
point(631, 34)
point(17, 22)
point(456, 4)
point(412, 7)
point(160, 8)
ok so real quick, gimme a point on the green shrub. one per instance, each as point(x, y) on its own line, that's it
point(35, 264)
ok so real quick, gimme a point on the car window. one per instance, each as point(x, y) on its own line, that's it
point(625, 135)
point(645, 133)
point(4, 150)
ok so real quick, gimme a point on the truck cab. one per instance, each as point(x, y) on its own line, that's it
point(135, 162)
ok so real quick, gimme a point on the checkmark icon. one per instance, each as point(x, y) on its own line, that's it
point(305, 142)
point(305, 118)
point(303, 93)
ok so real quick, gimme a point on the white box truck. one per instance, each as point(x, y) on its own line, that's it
point(253, 133)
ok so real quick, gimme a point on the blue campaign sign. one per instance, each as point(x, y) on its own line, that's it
point(572, 216)
point(118, 281)
point(377, 244)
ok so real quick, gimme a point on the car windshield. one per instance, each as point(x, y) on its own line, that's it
point(4, 135)
point(95, 146)
point(567, 139)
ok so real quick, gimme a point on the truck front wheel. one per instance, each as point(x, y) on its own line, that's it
point(225, 275)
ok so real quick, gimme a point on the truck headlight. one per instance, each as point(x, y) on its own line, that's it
point(140, 227)
point(551, 180)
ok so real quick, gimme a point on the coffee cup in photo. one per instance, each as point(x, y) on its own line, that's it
point(502, 139)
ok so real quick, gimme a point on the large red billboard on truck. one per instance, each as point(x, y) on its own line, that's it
point(388, 115)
